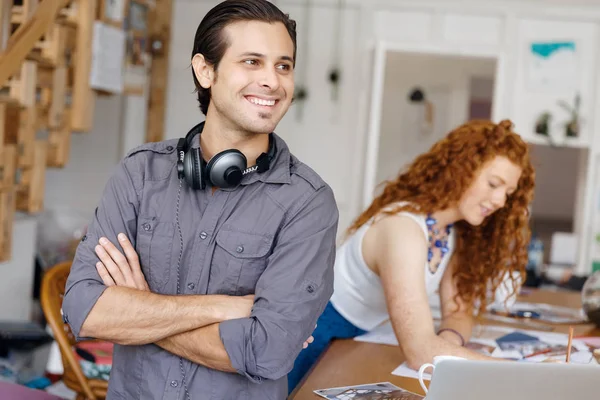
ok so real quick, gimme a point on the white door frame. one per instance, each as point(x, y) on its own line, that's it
point(375, 108)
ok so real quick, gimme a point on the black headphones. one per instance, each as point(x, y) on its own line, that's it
point(224, 170)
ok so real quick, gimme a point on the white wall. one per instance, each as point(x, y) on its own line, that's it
point(531, 98)
point(182, 111)
point(16, 285)
point(446, 81)
point(77, 187)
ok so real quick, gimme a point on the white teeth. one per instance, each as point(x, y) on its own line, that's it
point(261, 102)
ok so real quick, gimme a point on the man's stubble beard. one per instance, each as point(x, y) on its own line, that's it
point(264, 116)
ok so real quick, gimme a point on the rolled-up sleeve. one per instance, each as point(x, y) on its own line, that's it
point(116, 213)
point(290, 295)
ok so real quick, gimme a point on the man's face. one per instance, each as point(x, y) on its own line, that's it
point(254, 84)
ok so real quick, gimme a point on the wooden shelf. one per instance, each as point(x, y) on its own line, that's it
point(45, 65)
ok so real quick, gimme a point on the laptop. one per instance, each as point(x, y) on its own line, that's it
point(501, 380)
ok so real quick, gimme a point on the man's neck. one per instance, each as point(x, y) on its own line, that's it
point(216, 138)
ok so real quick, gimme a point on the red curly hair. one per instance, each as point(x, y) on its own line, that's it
point(436, 180)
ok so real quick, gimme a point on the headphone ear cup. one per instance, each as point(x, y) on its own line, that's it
point(225, 170)
point(193, 171)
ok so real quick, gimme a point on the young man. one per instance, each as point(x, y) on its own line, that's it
point(223, 279)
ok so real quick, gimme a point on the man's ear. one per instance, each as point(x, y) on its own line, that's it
point(205, 73)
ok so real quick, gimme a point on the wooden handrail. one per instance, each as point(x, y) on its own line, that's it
point(23, 41)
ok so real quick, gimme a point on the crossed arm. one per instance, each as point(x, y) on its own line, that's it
point(199, 341)
point(150, 317)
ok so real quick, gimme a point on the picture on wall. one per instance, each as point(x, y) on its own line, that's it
point(552, 65)
point(112, 11)
point(137, 61)
point(136, 51)
point(137, 56)
point(138, 16)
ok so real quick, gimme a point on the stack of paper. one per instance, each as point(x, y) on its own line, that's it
point(499, 342)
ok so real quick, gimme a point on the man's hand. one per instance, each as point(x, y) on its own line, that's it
point(118, 269)
point(308, 341)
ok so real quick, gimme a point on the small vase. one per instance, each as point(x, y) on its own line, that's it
point(590, 298)
point(572, 130)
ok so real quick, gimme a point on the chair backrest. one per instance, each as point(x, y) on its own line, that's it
point(51, 294)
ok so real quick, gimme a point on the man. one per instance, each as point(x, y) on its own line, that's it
point(233, 274)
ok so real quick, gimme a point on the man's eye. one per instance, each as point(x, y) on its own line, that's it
point(284, 67)
point(251, 62)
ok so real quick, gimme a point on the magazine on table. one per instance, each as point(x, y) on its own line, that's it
point(371, 391)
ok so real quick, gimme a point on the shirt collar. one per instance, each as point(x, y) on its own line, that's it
point(279, 169)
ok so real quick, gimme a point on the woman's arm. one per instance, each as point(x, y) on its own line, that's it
point(397, 250)
point(457, 316)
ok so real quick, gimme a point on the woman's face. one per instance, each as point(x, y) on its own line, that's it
point(492, 185)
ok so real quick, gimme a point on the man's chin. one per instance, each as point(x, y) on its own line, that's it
point(261, 126)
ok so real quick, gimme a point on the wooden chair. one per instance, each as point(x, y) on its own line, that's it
point(52, 292)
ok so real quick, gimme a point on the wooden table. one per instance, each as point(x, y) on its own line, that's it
point(348, 362)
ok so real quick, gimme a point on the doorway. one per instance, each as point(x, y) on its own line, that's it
point(556, 211)
point(423, 96)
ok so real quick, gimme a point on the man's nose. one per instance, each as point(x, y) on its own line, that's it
point(269, 78)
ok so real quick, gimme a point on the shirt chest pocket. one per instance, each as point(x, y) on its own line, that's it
point(155, 244)
point(239, 260)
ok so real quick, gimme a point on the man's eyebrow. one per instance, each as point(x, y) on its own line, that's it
point(260, 55)
point(252, 54)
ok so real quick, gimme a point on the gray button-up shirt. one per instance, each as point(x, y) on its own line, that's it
point(273, 236)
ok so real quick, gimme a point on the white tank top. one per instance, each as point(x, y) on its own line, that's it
point(358, 294)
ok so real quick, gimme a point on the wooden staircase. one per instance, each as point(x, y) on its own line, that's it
point(45, 96)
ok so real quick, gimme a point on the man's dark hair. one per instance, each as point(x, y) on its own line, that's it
point(211, 42)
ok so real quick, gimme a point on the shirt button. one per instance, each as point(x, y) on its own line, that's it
point(240, 249)
point(147, 227)
point(203, 235)
point(191, 286)
point(174, 383)
point(169, 148)
point(84, 238)
point(310, 288)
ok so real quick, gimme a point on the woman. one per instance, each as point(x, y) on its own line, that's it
point(455, 220)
